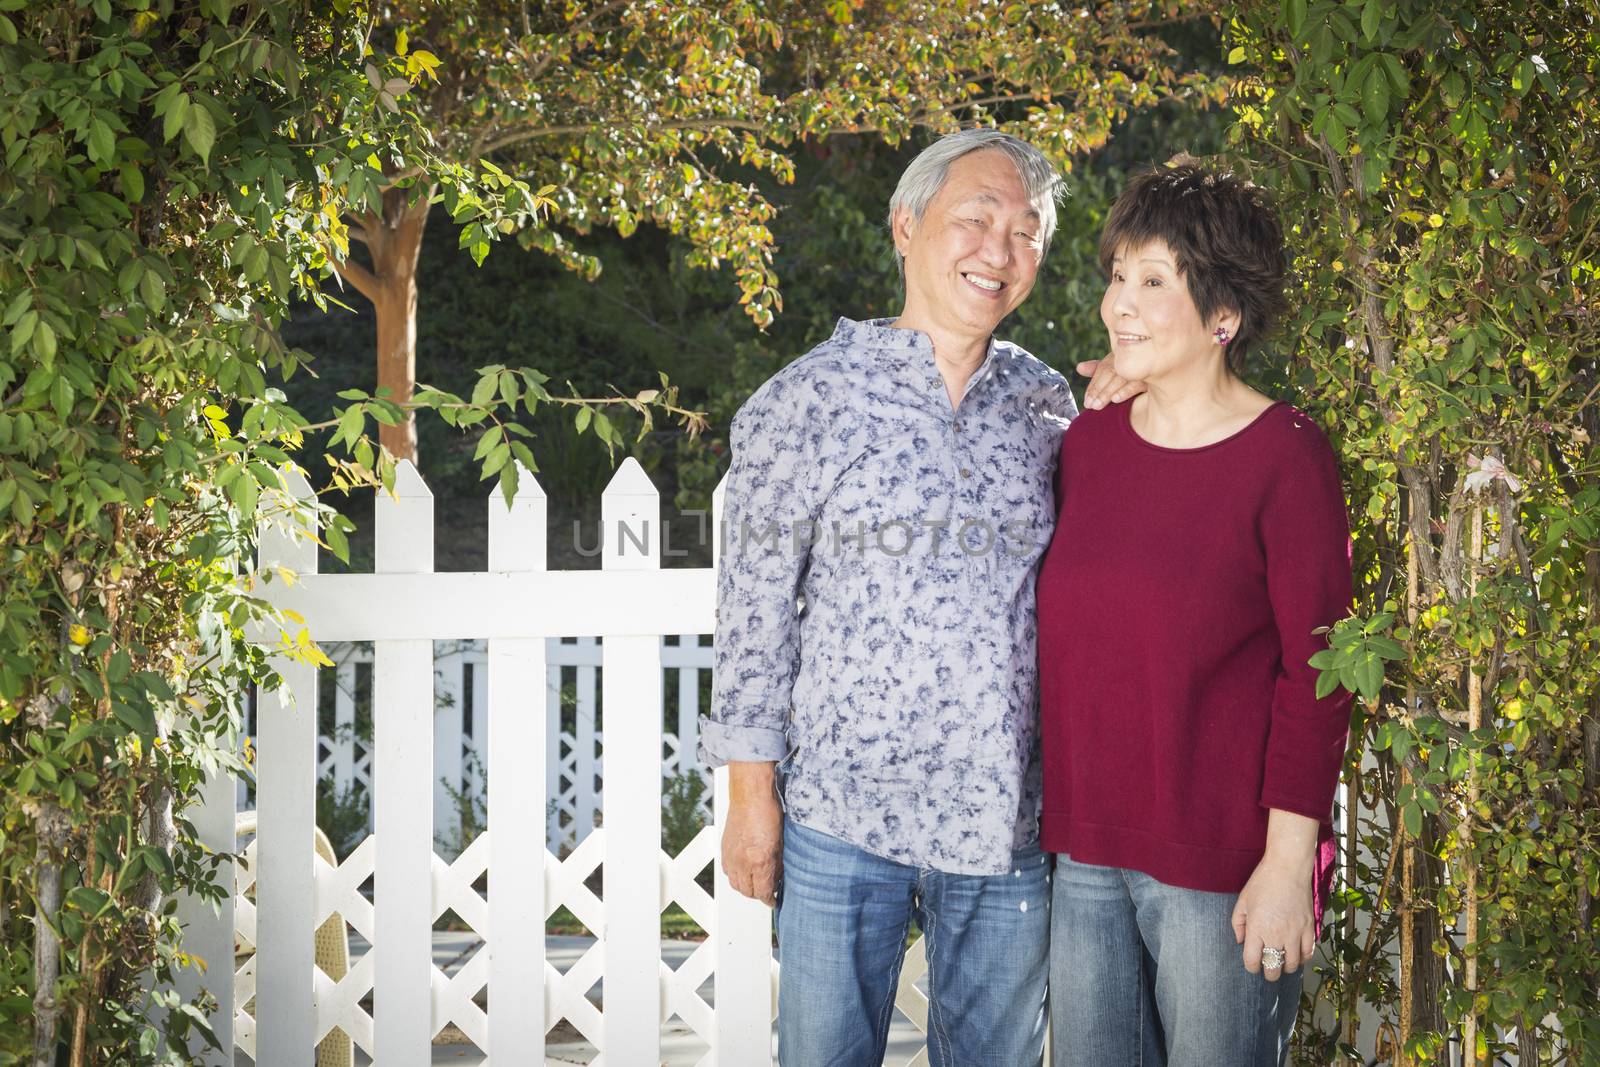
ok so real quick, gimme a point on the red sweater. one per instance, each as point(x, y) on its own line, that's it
point(1176, 608)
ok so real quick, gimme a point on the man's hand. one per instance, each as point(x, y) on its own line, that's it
point(752, 842)
point(1106, 386)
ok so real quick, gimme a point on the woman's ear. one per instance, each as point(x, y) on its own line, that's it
point(1228, 320)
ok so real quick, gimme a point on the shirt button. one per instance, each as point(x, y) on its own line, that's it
point(957, 425)
point(965, 473)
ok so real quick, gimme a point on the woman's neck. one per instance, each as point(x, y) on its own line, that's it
point(1194, 408)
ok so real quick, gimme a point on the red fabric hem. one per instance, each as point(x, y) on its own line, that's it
point(1207, 868)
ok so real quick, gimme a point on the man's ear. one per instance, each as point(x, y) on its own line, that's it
point(903, 226)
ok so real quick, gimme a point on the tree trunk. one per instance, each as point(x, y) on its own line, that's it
point(394, 241)
point(51, 826)
point(1527, 1042)
point(1428, 979)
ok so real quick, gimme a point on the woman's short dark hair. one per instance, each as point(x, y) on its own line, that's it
point(1225, 238)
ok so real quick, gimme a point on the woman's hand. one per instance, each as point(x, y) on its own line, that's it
point(1274, 909)
point(1106, 386)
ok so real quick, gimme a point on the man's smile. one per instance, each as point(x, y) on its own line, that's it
point(983, 282)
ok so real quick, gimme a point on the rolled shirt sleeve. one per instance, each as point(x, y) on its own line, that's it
point(769, 520)
point(1305, 530)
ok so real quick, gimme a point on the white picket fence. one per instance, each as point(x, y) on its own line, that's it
point(573, 777)
point(517, 608)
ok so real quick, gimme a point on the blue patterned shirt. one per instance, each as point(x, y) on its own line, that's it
point(875, 600)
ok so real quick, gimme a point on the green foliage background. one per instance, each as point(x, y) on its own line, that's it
point(1437, 163)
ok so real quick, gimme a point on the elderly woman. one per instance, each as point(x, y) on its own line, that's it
point(1189, 765)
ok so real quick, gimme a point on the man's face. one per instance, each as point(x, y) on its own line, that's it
point(974, 254)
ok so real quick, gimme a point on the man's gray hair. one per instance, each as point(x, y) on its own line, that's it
point(927, 173)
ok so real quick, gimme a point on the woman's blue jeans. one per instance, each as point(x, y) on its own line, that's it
point(843, 917)
point(1144, 974)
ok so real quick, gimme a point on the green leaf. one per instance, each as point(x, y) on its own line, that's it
point(1399, 80)
point(22, 332)
point(44, 342)
point(1411, 814)
point(1522, 80)
point(139, 718)
point(508, 482)
point(1375, 94)
point(1372, 18)
point(153, 290)
point(1236, 54)
point(1338, 137)
point(200, 131)
point(1369, 677)
point(498, 457)
point(350, 424)
point(61, 396)
point(524, 455)
point(490, 438)
point(175, 117)
point(245, 492)
point(338, 543)
point(581, 419)
point(1294, 12)
point(18, 305)
point(102, 142)
point(1387, 647)
point(483, 392)
point(88, 899)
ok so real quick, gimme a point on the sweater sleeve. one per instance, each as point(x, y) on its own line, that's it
point(1305, 532)
point(766, 506)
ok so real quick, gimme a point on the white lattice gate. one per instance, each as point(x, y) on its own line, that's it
point(393, 888)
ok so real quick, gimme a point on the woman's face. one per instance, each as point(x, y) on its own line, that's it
point(1154, 327)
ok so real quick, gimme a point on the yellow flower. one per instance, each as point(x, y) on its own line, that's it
point(78, 634)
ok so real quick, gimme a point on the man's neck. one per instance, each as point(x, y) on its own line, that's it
point(957, 354)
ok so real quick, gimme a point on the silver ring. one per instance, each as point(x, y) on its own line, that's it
point(1272, 958)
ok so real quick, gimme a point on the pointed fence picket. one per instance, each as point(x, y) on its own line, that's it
point(282, 1029)
point(517, 769)
point(489, 642)
point(630, 525)
point(403, 691)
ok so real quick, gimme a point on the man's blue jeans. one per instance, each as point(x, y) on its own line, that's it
point(843, 917)
point(1144, 974)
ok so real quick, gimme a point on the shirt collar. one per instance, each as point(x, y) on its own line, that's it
point(880, 335)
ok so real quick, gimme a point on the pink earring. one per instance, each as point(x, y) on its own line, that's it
point(1222, 335)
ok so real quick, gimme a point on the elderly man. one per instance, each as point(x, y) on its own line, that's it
point(889, 498)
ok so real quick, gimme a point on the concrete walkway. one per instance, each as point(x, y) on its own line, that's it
point(680, 1046)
